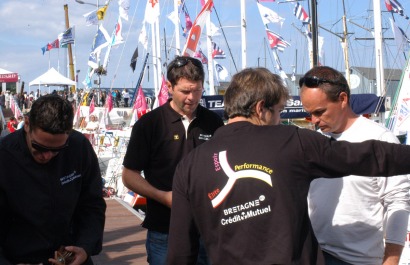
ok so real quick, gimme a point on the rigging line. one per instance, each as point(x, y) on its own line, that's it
point(227, 44)
point(123, 48)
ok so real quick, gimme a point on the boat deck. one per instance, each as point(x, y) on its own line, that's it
point(124, 238)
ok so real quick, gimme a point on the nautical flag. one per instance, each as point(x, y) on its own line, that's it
point(143, 38)
point(109, 104)
point(140, 106)
point(45, 48)
point(400, 37)
point(101, 12)
point(395, 6)
point(92, 106)
point(188, 22)
point(220, 71)
point(268, 15)
point(163, 92)
point(173, 16)
point(195, 32)
point(276, 41)
point(279, 66)
point(201, 56)
point(123, 7)
point(54, 44)
point(134, 59)
point(91, 18)
point(301, 14)
point(151, 11)
point(118, 39)
point(217, 52)
point(101, 40)
point(87, 80)
point(77, 116)
point(214, 30)
point(67, 37)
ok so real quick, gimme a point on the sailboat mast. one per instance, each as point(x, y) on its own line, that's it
point(177, 40)
point(70, 51)
point(345, 45)
point(243, 33)
point(314, 30)
point(378, 47)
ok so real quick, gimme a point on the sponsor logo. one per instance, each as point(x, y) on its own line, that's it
point(67, 179)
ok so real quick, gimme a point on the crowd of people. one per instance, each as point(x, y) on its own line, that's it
point(252, 191)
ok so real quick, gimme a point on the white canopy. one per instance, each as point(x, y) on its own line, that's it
point(4, 71)
point(52, 78)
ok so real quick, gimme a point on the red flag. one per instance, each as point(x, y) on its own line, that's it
point(92, 106)
point(195, 32)
point(140, 104)
point(276, 41)
point(163, 92)
point(54, 44)
point(108, 103)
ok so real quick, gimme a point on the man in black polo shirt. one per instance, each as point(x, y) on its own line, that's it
point(159, 140)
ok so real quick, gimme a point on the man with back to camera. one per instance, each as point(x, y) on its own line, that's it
point(50, 190)
point(245, 191)
point(357, 220)
point(159, 140)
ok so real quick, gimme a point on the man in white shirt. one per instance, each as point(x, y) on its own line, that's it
point(356, 220)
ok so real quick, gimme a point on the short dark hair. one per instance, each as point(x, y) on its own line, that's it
point(185, 67)
point(337, 85)
point(52, 114)
point(249, 86)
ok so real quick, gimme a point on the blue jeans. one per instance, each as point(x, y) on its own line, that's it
point(157, 247)
point(332, 260)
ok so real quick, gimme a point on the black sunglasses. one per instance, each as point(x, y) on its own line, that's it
point(45, 149)
point(182, 61)
point(314, 81)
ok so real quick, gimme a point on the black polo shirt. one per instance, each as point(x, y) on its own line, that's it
point(158, 142)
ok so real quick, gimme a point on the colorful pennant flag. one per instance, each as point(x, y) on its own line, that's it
point(301, 14)
point(188, 22)
point(220, 71)
point(67, 37)
point(201, 56)
point(395, 6)
point(123, 7)
point(151, 11)
point(109, 102)
point(91, 18)
point(269, 16)
point(134, 59)
point(195, 32)
point(143, 38)
point(163, 92)
point(118, 39)
point(140, 106)
point(92, 106)
point(54, 44)
point(217, 52)
point(276, 41)
point(101, 12)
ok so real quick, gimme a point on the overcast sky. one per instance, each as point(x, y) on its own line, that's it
point(28, 25)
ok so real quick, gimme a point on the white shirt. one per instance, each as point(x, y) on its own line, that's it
point(347, 214)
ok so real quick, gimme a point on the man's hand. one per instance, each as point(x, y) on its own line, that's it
point(79, 257)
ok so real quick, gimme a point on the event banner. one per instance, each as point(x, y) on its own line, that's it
point(9, 78)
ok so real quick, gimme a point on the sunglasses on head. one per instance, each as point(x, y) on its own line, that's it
point(45, 149)
point(182, 61)
point(314, 81)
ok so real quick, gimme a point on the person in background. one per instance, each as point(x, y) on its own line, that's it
point(3, 100)
point(20, 123)
point(117, 98)
point(357, 220)
point(12, 124)
point(51, 197)
point(126, 97)
point(93, 124)
point(159, 140)
point(245, 190)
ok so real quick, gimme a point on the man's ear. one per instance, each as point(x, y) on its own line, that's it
point(169, 85)
point(259, 108)
point(343, 98)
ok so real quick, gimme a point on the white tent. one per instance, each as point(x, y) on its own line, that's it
point(52, 78)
